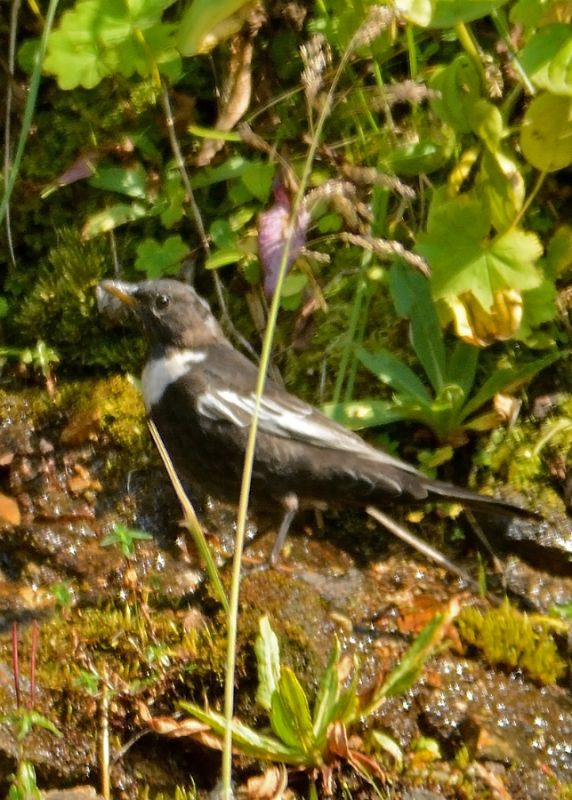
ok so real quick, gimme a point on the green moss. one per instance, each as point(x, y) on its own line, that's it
point(61, 307)
point(507, 636)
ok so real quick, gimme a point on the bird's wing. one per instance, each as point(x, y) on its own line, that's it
point(281, 414)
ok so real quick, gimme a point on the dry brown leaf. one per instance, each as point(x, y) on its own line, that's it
point(482, 327)
point(271, 785)
point(9, 510)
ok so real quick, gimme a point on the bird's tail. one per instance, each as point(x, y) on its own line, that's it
point(478, 502)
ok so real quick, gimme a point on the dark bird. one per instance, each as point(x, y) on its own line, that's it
point(199, 392)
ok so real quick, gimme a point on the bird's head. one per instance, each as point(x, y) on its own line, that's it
point(171, 313)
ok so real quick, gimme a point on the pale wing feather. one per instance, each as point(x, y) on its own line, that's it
point(291, 418)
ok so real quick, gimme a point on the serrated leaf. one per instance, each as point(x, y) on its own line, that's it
point(465, 259)
point(545, 132)
point(267, 652)
point(290, 713)
point(97, 38)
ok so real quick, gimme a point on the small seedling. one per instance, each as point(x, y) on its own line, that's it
point(126, 539)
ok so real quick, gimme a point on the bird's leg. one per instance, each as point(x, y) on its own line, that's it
point(290, 503)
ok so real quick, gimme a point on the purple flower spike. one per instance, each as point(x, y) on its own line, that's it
point(273, 230)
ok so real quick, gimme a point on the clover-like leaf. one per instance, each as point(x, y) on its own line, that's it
point(159, 259)
point(97, 38)
point(465, 258)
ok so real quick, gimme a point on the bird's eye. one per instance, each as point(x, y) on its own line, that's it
point(161, 302)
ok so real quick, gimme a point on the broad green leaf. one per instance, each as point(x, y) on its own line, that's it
point(446, 13)
point(159, 259)
point(257, 177)
point(290, 714)
point(430, 151)
point(505, 379)
point(111, 218)
point(545, 132)
point(231, 168)
point(327, 693)
point(464, 259)
point(459, 87)
point(247, 740)
point(222, 234)
point(204, 24)
point(131, 181)
point(390, 370)
point(358, 414)
point(547, 58)
point(97, 38)
point(267, 652)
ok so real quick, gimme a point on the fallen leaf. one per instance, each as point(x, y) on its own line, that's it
point(271, 785)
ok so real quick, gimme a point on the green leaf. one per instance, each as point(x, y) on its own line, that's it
point(158, 259)
point(359, 414)
point(545, 132)
point(462, 366)
point(446, 13)
point(97, 38)
point(463, 258)
point(501, 182)
point(111, 218)
point(131, 181)
point(559, 252)
point(327, 693)
point(390, 370)
point(257, 177)
point(429, 152)
point(204, 24)
point(221, 258)
point(487, 123)
point(459, 87)
point(247, 740)
point(267, 652)
point(539, 308)
point(505, 378)
point(290, 714)
point(547, 58)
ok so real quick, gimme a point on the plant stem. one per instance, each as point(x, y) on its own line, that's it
point(10, 178)
point(226, 789)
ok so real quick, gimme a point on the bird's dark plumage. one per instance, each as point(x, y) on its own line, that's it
point(199, 391)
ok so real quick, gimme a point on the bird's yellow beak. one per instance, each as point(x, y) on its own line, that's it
point(122, 291)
